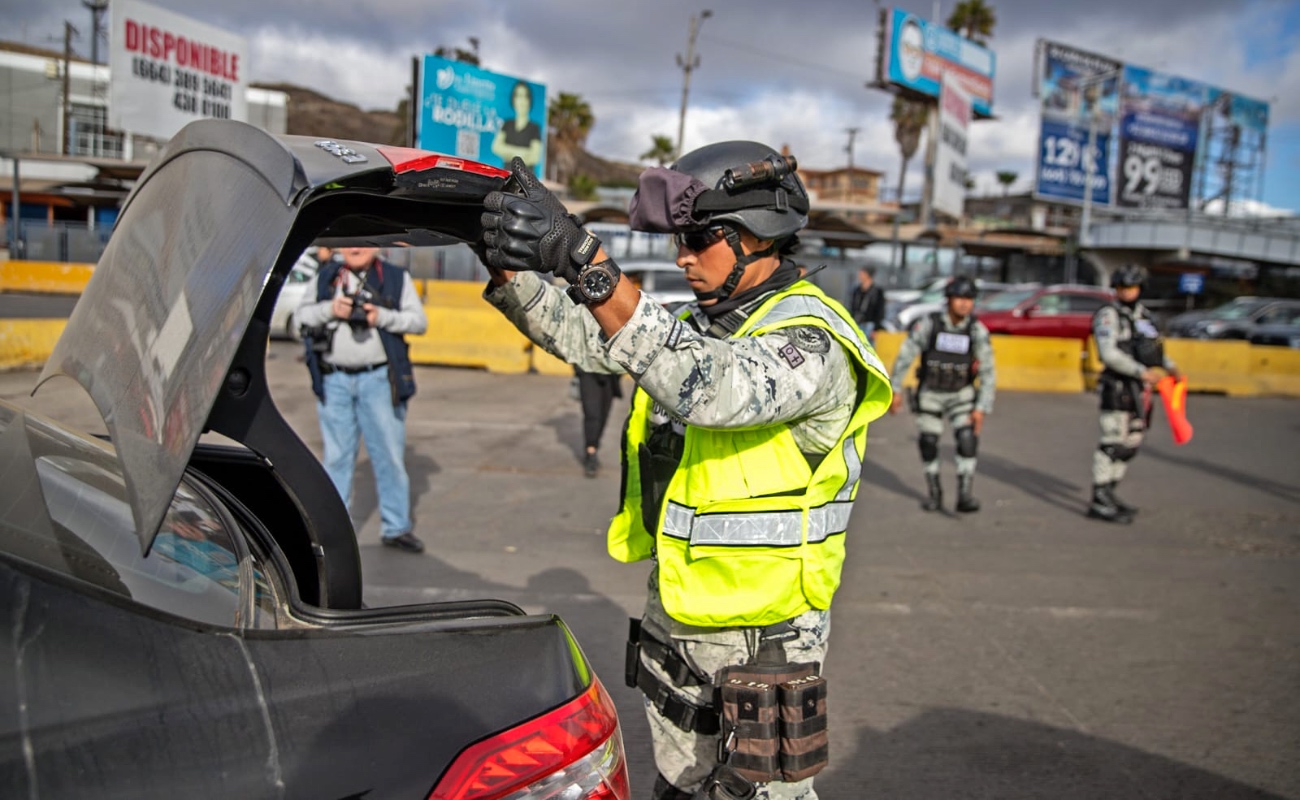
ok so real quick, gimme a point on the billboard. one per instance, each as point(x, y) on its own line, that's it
point(480, 115)
point(915, 54)
point(950, 158)
point(1159, 130)
point(1079, 92)
point(169, 70)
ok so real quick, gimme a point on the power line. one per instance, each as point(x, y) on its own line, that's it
point(749, 48)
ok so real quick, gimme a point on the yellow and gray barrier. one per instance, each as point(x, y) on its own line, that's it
point(464, 331)
point(44, 277)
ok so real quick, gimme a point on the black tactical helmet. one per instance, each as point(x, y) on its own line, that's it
point(1128, 275)
point(961, 286)
point(710, 164)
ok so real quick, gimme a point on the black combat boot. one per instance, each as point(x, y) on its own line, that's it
point(965, 502)
point(1120, 504)
point(1103, 506)
point(935, 501)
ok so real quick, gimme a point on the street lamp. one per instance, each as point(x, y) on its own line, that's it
point(691, 62)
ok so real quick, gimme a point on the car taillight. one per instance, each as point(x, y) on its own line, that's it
point(574, 752)
point(410, 159)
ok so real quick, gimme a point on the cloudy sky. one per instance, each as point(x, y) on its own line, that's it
point(779, 71)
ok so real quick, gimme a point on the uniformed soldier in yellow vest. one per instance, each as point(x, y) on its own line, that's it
point(743, 451)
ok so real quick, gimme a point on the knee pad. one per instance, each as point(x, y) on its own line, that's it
point(968, 444)
point(929, 444)
point(1118, 452)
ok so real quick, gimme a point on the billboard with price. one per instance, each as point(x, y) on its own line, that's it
point(1160, 121)
point(480, 115)
point(1079, 92)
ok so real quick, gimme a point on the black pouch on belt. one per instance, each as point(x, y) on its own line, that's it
point(632, 655)
point(805, 742)
point(749, 697)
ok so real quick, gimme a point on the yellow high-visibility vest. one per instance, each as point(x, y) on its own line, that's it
point(749, 534)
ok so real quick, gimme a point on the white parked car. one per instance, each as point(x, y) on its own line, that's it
point(663, 281)
point(932, 300)
point(299, 288)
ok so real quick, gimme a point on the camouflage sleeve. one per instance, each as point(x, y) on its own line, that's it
point(988, 373)
point(545, 314)
point(917, 336)
point(1105, 330)
point(782, 376)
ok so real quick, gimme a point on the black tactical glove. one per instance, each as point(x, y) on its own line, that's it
point(531, 231)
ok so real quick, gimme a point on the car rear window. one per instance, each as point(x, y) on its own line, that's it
point(1005, 301)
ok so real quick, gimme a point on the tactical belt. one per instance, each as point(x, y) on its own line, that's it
point(684, 714)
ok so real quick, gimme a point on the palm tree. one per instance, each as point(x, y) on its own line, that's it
point(1006, 178)
point(974, 20)
point(661, 149)
point(570, 120)
point(909, 118)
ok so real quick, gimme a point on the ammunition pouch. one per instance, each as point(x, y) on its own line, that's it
point(773, 721)
point(1119, 392)
point(725, 783)
point(658, 459)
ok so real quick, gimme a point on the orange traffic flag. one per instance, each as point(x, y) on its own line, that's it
point(1173, 393)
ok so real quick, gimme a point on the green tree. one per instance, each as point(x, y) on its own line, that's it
point(974, 20)
point(460, 53)
point(570, 120)
point(1006, 178)
point(582, 187)
point(661, 149)
point(909, 118)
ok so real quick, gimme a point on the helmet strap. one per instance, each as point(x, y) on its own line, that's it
point(743, 260)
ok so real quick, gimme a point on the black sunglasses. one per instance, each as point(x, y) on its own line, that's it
point(697, 241)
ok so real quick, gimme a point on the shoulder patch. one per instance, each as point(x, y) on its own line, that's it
point(810, 339)
point(791, 354)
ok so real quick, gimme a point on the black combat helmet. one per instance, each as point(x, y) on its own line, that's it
point(1128, 275)
point(961, 286)
point(772, 215)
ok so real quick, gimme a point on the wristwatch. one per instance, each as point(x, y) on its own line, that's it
point(596, 282)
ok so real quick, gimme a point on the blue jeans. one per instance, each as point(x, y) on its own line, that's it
point(359, 406)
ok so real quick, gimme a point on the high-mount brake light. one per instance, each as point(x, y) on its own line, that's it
point(574, 751)
point(410, 159)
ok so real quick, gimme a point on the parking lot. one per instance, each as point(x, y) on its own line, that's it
point(1022, 652)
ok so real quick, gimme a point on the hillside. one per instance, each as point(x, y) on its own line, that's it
point(313, 114)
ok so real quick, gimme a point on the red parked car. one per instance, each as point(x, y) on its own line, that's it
point(1063, 310)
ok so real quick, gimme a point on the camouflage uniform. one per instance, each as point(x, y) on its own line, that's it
point(1122, 428)
point(792, 374)
point(932, 406)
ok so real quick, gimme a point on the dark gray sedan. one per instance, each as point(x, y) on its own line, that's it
point(183, 619)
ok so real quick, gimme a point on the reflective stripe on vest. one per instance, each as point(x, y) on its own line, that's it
point(756, 528)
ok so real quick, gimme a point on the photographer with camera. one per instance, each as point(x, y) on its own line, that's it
point(361, 375)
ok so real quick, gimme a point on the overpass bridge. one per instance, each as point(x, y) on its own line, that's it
point(1192, 239)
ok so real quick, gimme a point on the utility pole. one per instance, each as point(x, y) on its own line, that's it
point(97, 9)
point(69, 33)
point(853, 133)
point(688, 64)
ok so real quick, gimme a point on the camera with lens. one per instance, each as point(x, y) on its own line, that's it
point(357, 319)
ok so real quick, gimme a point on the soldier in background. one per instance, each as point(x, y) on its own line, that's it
point(1130, 350)
point(956, 380)
point(743, 447)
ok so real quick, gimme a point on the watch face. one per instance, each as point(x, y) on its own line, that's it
point(597, 284)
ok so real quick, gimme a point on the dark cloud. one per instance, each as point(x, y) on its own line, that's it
point(783, 69)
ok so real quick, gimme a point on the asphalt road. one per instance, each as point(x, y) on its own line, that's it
point(1021, 652)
